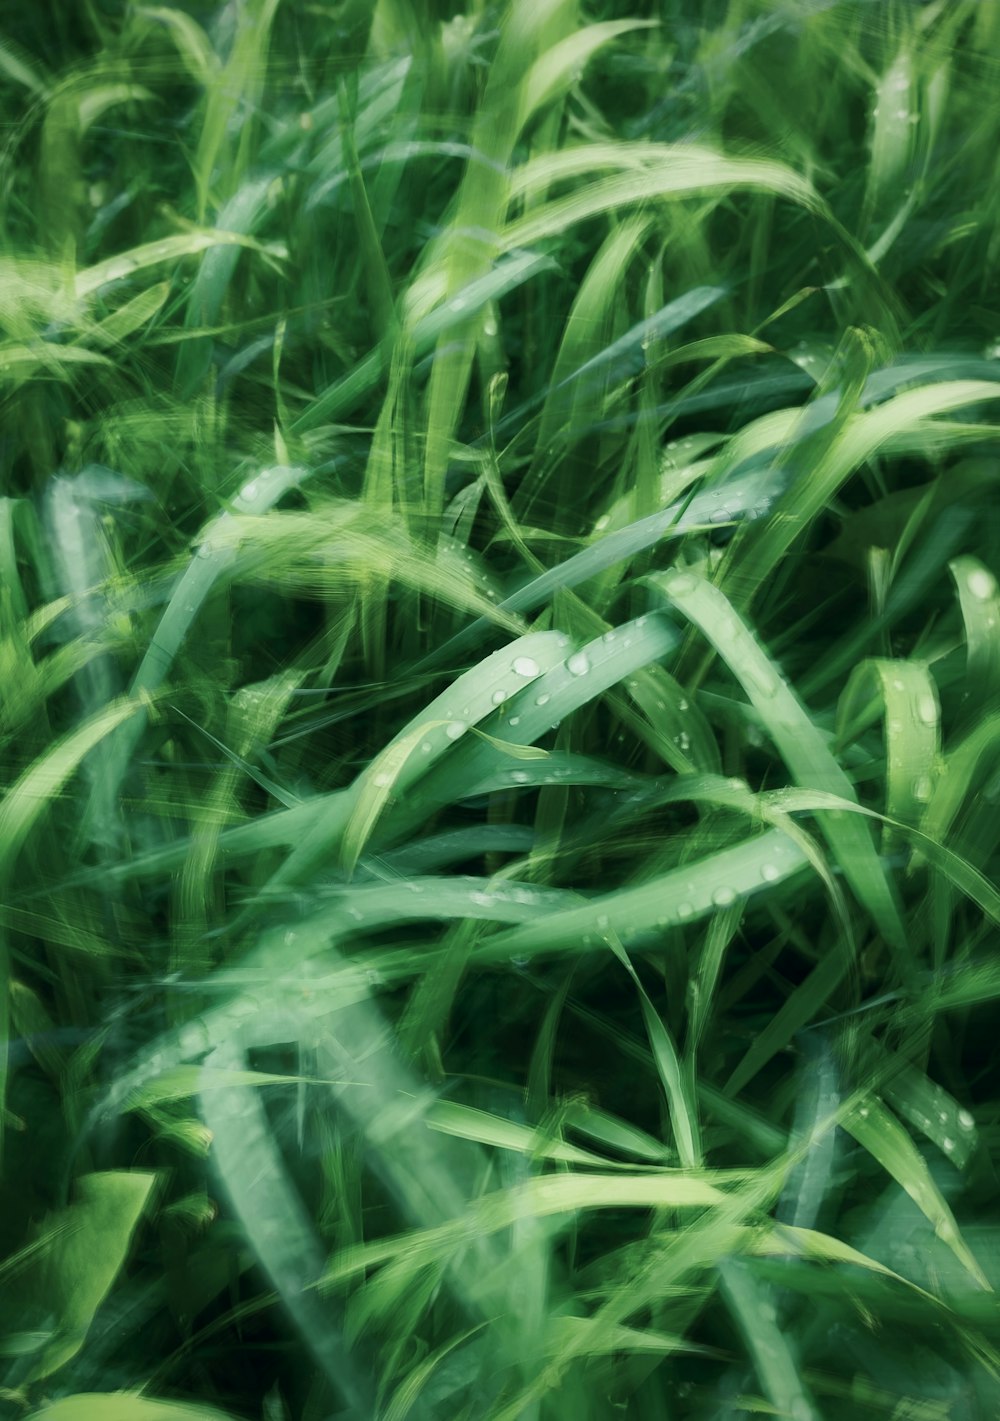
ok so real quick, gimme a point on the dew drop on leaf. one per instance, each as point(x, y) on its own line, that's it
point(981, 584)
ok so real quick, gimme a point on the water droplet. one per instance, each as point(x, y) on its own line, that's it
point(483, 899)
point(458, 304)
point(863, 1112)
point(903, 113)
point(489, 327)
point(543, 699)
point(608, 636)
point(520, 777)
point(381, 780)
point(722, 897)
point(525, 666)
point(290, 938)
point(769, 872)
point(927, 710)
point(966, 1120)
point(682, 704)
point(455, 730)
point(514, 720)
point(603, 921)
point(250, 489)
point(921, 789)
point(947, 1144)
point(684, 741)
point(425, 748)
point(602, 523)
point(578, 665)
point(685, 910)
point(499, 697)
point(981, 584)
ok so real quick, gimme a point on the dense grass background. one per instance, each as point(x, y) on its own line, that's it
point(500, 710)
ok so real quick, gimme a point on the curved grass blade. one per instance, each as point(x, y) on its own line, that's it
point(979, 598)
point(752, 492)
point(880, 1133)
point(912, 730)
point(796, 739)
point(682, 896)
point(275, 1221)
point(87, 1253)
point(773, 1358)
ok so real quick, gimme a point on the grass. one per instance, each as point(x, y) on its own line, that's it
point(499, 658)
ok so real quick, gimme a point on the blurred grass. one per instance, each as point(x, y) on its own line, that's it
point(499, 645)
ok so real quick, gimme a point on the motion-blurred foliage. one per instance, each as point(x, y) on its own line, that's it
point(500, 710)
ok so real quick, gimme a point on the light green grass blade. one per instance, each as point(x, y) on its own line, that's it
point(676, 1081)
point(85, 1257)
point(277, 1225)
point(912, 730)
point(166, 249)
point(773, 1358)
point(861, 438)
point(878, 1132)
point(471, 699)
point(125, 1406)
point(644, 173)
point(795, 737)
point(979, 599)
point(681, 896)
point(755, 491)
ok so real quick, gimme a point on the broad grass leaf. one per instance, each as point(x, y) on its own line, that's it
point(755, 490)
point(33, 792)
point(979, 599)
point(130, 317)
point(277, 1226)
point(639, 173)
point(773, 1356)
point(912, 730)
point(675, 1080)
point(193, 45)
point(125, 1406)
point(469, 700)
point(880, 1133)
point(467, 1123)
point(90, 1244)
point(796, 738)
point(563, 63)
point(675, 898)
point(167, 249)
point(859, 438)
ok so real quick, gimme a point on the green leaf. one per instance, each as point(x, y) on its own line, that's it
point(90, 1244)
